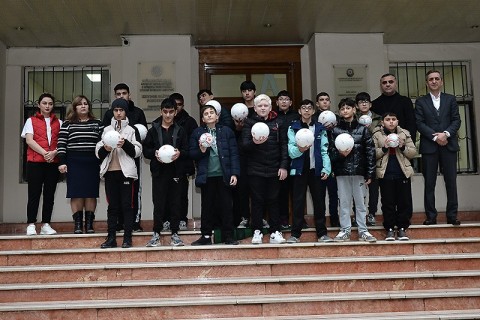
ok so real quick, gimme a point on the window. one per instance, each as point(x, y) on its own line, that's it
point(456, 81)
point(65, 83)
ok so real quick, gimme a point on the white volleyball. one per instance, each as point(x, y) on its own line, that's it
point(111, 138)
point(304, 137)
point(260, 131)
point(366, 120)
point(393, 140)
point(344, 142)
point(206, 140)
point(215, 104)
point(165, 153)
point(327, 118)
point(239, 111)
point(142, 130)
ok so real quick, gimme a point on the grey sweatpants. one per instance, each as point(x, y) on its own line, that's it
point(352, 187)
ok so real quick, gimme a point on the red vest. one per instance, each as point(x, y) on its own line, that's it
point(40, 136)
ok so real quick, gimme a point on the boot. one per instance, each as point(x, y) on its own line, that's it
point(127, 240)
point(110, 242)
point(89, 217)
point(78, 220)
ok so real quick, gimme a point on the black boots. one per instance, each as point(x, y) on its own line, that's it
point(127, 240)
point(89, 217)
point(78, 218)
point(110, 242)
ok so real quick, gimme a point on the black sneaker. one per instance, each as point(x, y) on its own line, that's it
point(354, 222)
point(390, 235)
point(119, 227)
point(402, 234)
point(371, 220)
point(231, 241)
point(202, 241)
point(137, 227)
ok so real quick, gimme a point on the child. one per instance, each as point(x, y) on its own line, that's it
point(309, 167)
point(166, 176)
point(364, 104)
point(394, 171)
point(119, 171)
point(266, 167)
point(323, 104)
point(354, 169)
point(218, 168)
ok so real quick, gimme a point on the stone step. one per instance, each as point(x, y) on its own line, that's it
point(69, 240)
point(236, 252)
point(267, 285)
point(203, 269)
point(248, 306)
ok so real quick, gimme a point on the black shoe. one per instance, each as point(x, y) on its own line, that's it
point(202, 241)
point(89, 218)
point(454, 222)
point(137, 227)
point(119, 227)
point(371, 220)
point(127, 243)
point(402, 235)
point(390, 235)
point(429, 222)
point(305, 226)
point(285, 227)
point(231, 241)
point(354, 222)
point(111, 242)
point(78, 220)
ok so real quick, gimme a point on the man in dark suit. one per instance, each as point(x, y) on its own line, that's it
point(438, 121)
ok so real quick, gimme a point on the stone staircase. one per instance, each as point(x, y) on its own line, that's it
point(435, 275)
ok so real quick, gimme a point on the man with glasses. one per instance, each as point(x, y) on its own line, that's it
point(391, 101)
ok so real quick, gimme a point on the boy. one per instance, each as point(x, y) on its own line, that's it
point(323, 104)
point(354, 169)
point(394, 170)
point(166, 176)
point(224, 117)
point(119, 171)
point(266, 167)
point(218, 168)
point(135, 116)
point(310, 165)
point(364, 103)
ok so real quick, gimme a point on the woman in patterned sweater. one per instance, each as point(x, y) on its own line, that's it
point(78, 137)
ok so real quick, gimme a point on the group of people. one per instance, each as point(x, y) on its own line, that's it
point(245, 178)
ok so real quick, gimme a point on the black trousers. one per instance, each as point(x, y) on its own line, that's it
point(120, 192)
point(166, 186)
point(396, 202)
point(137, 196)
point(264, 196)
point(41, 176)
point(284, 197)
point(373, 197)
point(447, 161)
point(217, 207)
point(184, 183)
point(330, 185)
point(241, 194)
point(300, 184)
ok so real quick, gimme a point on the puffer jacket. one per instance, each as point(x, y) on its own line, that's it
point(227, 154)
point(188, 123)
point(404, 155)
point(265, 159)
point(131, 149)
point(361, 160)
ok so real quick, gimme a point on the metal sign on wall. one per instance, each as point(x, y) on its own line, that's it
point(156, 81)
point(349, 80)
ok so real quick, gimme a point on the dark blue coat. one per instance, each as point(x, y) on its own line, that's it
point(227, 154)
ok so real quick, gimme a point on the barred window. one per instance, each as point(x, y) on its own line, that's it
point(456, 81)
point(64, 83)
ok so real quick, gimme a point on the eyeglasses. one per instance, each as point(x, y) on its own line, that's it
point(285, 99)
point(363, 102)
point(388, 81)
point(306, 108)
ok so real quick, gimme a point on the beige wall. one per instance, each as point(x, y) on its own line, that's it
point(318, 56)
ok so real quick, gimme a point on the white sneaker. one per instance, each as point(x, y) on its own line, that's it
point(31, 230)
point(243, 224)
point(257, 237)
point(277, 237)
point(46, 229)
point(182, 226)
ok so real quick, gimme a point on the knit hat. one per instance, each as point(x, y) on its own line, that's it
point(120, 103)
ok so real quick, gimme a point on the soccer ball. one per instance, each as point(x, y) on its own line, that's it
point(344, 142)
point(215, 104)
point(111, 138)
point(393, 140)
point(206, 140)
point(142, 130)
point(327, 118)
point(165, 153)
point(260, 131)
point(366, 120)
point(239, 111)
point(304, 137)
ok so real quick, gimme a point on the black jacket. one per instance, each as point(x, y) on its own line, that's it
point(154, 140)
point(188, 123)
point(361, 160)
point(265, 159)
point(134, 114)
